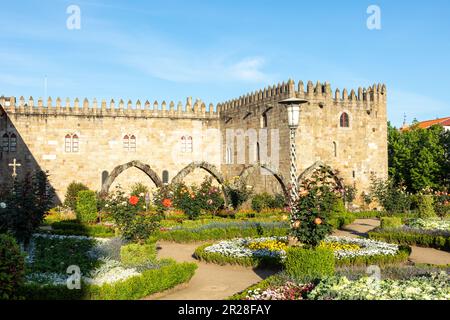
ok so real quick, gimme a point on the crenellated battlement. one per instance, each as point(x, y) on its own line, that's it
point(360, 98)
point(189, 110)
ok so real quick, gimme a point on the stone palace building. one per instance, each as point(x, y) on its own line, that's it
point(104, 144)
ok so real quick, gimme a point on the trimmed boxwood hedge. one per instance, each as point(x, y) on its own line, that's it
point(148, 283)
point(217, 258)
point(194, 235)
point(411, 238)
point(75, 228)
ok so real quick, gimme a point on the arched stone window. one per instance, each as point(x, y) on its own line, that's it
point(345, 120)
point(75, 144)
point(71, 143)
point(126, 142)
point(13, 143)
point(132, 144)
point(186, 144)
point(165, 177)
point(5, 143)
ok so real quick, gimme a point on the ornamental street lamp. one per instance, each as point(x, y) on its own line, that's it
point(293, 110)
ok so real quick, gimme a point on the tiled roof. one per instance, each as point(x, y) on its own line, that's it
point(429, 123)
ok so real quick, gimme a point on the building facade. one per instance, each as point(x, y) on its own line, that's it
point(103, 145)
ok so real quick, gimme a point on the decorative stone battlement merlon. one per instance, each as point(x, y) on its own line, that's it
point(122, 109)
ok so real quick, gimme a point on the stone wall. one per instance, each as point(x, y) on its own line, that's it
point(356, 152)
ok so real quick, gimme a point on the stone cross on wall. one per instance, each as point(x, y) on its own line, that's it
point(14, 165)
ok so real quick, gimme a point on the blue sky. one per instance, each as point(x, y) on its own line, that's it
point(216, 50)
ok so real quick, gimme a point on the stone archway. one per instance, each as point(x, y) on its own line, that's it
point(136, 164)
point(319, 164)
point(248, 171)
point(210, 168)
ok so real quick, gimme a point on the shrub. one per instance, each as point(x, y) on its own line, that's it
point(86, 208)
point(309, 264)
point(314, 207)
point(27, 203)
point(391, 222)
point(237, 193)
point(392, 198)
point(138, 254)
point(412, 237)
point(75, 228)
point(133, 224)
point(442, 204)
point(72, 194)
point(139, 189)
point(425, 206)
point(12, 268)
point(149, 282)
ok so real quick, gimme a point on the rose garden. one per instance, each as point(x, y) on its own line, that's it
point(108, 246)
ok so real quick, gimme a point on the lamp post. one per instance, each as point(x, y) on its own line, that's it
point(293, 110)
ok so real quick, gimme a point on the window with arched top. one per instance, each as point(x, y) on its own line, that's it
point(71, 143)
point(126, 142)
point(129, 143)
point(75, 143)
point(13, 143)
point(165, 177)
point(345, 120)
point(186, 144)
point(132, 143)
point(5, 143)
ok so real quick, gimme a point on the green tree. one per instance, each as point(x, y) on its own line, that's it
point(419, 158)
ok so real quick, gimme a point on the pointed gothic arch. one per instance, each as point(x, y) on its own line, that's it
point(133, 164)
point(210, 168)
point(250, 170)
point(308, 173)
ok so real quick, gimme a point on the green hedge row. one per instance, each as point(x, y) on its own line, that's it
point(76, 228)
point(186, 235)
point(217, 258)
point(148, 283)
point(309, 264)
point(411, 238)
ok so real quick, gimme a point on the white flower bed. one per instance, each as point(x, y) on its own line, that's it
point(368, 247)
point(429, 224)
point(238, 248)
point(110, 271)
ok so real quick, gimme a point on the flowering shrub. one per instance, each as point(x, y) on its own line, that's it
point(311, 213)
point(435, 287)
point(130, 217)
point(288, 291)
point(442, 204)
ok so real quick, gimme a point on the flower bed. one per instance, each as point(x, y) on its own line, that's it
point(435, 287)
point(102, 272)
point(271, 251)
point(429, 224)
point(430, 287)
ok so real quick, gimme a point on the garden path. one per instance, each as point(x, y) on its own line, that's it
point(418, 255)
point(210, 282)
